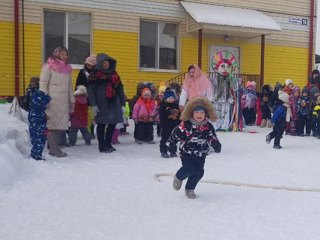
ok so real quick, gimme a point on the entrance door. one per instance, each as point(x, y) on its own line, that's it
point(219, 54)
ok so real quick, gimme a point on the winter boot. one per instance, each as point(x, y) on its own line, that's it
point(277, 147)
point(268, 139)
point(190, 194)
point(176, 183)
point(165, 155)
point(54, 149)
point(263, 123)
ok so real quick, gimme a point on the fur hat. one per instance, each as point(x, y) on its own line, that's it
point(283, 96)
point(199, 102)
point(81, 90)
point(91, 60)
point(288, 81)
point(169, 93)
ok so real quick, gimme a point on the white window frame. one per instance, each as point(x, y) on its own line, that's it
point(142, 69)
point(74, 66)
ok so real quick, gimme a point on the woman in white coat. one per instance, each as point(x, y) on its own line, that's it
point(55, 80)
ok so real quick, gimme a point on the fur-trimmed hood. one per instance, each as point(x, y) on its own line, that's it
point(196, 102)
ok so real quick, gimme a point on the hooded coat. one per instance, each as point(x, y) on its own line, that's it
point(106, 91)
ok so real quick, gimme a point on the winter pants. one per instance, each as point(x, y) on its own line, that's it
point(277, 132)
point(165, 134)
point(38, 139)
point(193, 169)
point(73, 132)
point(304, 121)
point(144, 131)
point(249, 115)
point(105, 136)
point(315, 126)
point(266, 112)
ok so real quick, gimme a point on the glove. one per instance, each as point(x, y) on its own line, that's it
point(216, 146)
point(94, 110)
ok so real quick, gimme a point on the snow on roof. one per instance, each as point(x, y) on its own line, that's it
point(229, 16)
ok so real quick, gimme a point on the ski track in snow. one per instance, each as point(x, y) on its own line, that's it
point(90, 195)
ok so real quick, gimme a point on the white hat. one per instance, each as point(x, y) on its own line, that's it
point(283, 96)
point(81, 90)
point(288, 81)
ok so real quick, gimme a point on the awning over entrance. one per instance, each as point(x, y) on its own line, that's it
point(228, 20)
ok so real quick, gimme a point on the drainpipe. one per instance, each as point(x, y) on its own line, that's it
point(200, 48)
point(310, 60)
point(16, 48)
point(263, 44)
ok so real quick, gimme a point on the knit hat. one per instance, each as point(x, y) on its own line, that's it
point(199, 109)
point(81, 90)
point(169, 93)
point(288, 81)
point(146, 91)
point(91, 60)
point(162, 89)
point(305, 90)
point(315, 71)
point(283, 96)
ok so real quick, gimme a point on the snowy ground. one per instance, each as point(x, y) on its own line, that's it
point(90, 195)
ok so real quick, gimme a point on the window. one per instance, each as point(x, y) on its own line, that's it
point(158, 45)
point(71, 30)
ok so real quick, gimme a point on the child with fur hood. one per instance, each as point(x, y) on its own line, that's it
point(195, 134)
point(281, 115)
point(143, 116)
point(79, 118)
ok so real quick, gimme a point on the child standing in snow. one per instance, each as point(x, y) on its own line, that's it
point(249, 98)
point(169, 119)
point(280, 116)
point(291, 127)
point(143, 114)
point(38, 123)
point(304, 118)
point(79, 118)
point(195, 134)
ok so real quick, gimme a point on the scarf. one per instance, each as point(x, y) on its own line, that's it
point(198, 86)
point(148, 103)
point(288, 115)
point(56, 64)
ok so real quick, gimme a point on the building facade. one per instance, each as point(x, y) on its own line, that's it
point(156, 40)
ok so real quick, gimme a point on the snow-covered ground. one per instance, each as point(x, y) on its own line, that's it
point(90, 195)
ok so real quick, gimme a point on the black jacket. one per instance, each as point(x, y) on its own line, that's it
point(195, 139)
point(169, 115)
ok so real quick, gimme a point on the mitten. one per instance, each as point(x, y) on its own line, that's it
point(94, 110)
point(216, 145)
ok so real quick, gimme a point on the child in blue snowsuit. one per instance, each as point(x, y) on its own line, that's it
point(38, 123)
point(195, 134)
point(280, 116)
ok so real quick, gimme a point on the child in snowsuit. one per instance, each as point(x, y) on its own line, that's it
point(143, 114)
point(291, 127)
point(304, 118)
point(79, 118)
point(249, 98)
point(314, 93)
point(280, 116)
point(33, 87)
point(38, 123)
point(266, 105)
point(169, 119)
point(316, 116)
point(195, 134)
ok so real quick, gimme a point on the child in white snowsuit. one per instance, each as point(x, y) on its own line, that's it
point(195, 134)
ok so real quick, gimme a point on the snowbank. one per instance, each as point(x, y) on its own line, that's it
point(14, 146)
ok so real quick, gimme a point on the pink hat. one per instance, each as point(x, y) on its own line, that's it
point(91, 60)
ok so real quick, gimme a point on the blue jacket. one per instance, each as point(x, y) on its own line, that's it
point(38, 106)
point(279, 114)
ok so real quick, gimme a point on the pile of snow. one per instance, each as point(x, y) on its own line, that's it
point(14, 146)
